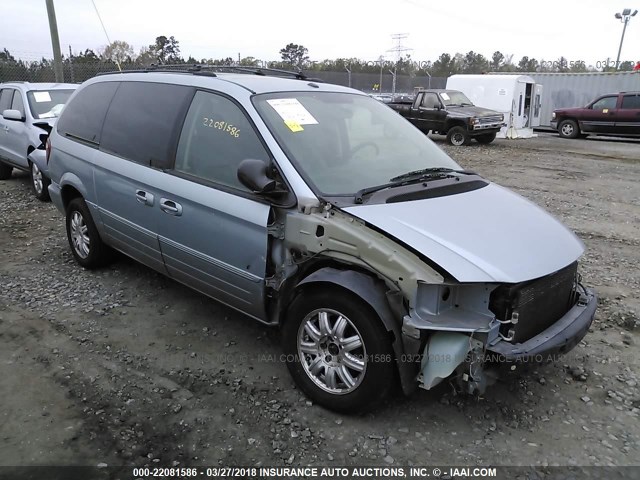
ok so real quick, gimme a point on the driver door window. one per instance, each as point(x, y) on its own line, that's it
point(17, 103)
point(430, 100)
point(606, 103)
point(216, 137)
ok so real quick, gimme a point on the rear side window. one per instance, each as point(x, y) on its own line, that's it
point(631, 102)
point(5, 99)
point(83, 117)
point(142, 122)
point(216, 137)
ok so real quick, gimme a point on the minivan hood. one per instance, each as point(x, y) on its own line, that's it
point(486, 235)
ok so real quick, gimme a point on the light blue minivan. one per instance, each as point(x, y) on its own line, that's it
point(318, 209)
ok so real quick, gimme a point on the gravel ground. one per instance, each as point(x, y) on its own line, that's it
point(126, 367)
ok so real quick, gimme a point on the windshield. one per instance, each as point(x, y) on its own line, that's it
point(342, 143)
point(47, 103)
point(453, 98)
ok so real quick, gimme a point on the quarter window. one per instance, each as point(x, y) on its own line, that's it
point(83, 117)
point(5, 99)
point(631, 102)
point(216, 137)
point(141, 123)
point(605, 103)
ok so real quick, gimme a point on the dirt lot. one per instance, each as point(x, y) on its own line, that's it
point(124, 366)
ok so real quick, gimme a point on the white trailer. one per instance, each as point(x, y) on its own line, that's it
point(517, 97)
point(565, 90)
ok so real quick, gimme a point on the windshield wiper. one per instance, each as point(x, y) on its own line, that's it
point(429, 172)
point(411, 177)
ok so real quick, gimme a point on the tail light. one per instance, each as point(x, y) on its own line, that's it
point(48, 149)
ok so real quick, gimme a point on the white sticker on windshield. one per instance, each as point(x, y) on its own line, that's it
point(445, 96)
point(41, 97)
point(292, 111)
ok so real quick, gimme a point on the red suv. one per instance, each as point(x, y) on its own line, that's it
point(614, 114)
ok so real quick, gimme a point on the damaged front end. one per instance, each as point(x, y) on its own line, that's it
point(439, 327)
point(469, 329)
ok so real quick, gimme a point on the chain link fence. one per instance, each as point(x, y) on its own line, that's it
point(79, 72)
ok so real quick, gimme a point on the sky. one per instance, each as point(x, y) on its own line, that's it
point(543, 29)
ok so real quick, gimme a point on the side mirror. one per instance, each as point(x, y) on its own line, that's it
point(13, 115)
point(253, 174)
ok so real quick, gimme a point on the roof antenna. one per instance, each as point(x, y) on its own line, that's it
point(105, 31)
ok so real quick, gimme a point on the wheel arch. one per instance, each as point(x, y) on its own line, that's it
point(69, 191)
point(374, 293)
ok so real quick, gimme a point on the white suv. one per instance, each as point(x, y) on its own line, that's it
point(27, 112)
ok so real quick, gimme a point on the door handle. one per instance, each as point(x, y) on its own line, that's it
point(144, 197)
point(170, 207)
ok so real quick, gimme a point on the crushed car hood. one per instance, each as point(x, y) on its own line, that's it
point(486, 235)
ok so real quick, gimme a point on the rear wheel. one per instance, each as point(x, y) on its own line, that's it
point(40, 183)
point(85, 242)
point(337, 350)
point(486, 138)
point(458, 136)
point(5, 171)
point(568, 129)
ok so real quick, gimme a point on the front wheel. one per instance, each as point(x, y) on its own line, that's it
point(458, 136)
point(5, 171)
point(568, 129)
point(337, 350)
point(486, 138)
point(85, 242)
point(40, 183)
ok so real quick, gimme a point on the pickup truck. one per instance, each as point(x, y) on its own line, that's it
point(616, 114)
point(451, 113)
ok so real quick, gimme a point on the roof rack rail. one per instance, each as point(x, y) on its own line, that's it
point(209, 70)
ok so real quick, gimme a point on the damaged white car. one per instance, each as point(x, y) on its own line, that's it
point(315, 208)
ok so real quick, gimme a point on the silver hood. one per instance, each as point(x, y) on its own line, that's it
point(486, 235)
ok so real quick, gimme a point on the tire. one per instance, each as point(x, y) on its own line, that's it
point(5, 171)
point(85, 242)
point(486, 138)
point(458, 136)
point(362, 376)
point(568, 129)
point(40, 183)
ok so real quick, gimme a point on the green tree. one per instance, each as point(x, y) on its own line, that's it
point(497, 61)
point(444, 66)
point(249, 62)
point(88, 56)
point(166, 50)
point(5, 56)
point(527, 64)
point(294, 55)
point(474, 63)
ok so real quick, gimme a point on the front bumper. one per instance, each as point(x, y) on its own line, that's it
point(39, 157)
point(485, 127)
point(554, 124)
point(558, 339)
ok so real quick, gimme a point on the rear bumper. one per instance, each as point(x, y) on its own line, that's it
point(558, 339)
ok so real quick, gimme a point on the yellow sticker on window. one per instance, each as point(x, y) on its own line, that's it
point(293, 126)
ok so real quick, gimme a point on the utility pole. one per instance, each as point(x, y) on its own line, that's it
point(624, 17)
point(399, 49)
point(349, 72)
point(71, 65)
point(55, 42)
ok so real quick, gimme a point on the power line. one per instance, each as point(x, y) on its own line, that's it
point(105, 32)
